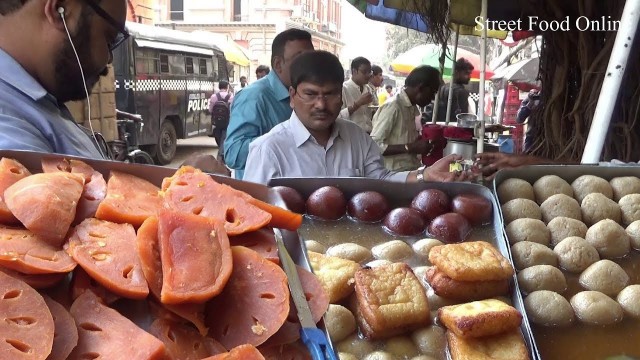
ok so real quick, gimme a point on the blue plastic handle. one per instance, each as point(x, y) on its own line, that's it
point(317, 343)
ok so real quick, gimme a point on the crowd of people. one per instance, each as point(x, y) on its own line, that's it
point(300, 118)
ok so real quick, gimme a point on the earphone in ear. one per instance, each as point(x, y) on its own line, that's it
point(61, 11)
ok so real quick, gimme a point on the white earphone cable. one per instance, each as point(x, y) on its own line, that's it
point(84, 82)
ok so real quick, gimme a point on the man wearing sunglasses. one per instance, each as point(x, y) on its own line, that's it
point(42, 43)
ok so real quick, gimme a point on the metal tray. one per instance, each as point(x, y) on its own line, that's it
point(401, 194)
point(155, 175)
point(567, 172)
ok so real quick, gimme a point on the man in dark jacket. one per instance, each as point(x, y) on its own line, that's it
point(460, 103)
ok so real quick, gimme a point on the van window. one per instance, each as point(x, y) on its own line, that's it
point(176, 64)
point(223, 74)
point(146, 61)
point(203, 67)
point(164, 63)
point(189, 65)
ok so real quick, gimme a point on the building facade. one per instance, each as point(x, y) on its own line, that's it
point(141, 11)
point(253, 24)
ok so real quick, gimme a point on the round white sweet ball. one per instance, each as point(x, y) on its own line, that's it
point(515, 188)
point(519, 209)
point(550, 185)
point(430, 340)
point(563, 227)
point(548, 308)
point(560, 205)
point(605, 276)
point(542, 277)
point(350, 251)
point(401, 346)
point(609, 238)
point(315, 246)
point(624, 185)
point(356, 346)
point(346, 356)
point(587, 184)
point(630, 207)
point(526, 254)
point(381, 355)
point(596, 308)
point(629, 299)
point(575, 254)
point(340, 322)
point(394, 251)
point(528, 230)
point(596, 207)
point(422, 247)
point(633, 230)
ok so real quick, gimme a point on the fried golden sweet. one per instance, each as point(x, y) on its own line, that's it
point(471, 261)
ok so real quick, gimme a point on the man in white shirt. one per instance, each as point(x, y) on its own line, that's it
point(357, 95)
point(314, 142)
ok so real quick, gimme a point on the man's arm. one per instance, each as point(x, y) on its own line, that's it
point(462, 96)
point(523, 112)
point(374, 164)
point(17, 134)
point(244, 125)
point(383, 124)
point(374, 100)
point(262, 165)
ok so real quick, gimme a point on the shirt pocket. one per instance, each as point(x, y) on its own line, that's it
point(349, 172)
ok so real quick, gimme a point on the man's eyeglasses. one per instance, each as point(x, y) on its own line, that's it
point(312, 98)
point(122, 35)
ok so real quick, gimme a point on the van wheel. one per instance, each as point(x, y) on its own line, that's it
point(167, 143)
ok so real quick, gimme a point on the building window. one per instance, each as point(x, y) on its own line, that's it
point(237, 10)
point(189, 65)
point(177, 10)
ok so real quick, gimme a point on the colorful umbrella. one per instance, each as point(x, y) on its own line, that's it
point(429, 54)
point(524, 70)
point(463, 13)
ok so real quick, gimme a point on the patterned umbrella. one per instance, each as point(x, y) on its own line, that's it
point(429, 54)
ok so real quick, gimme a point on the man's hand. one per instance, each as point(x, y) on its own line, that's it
point(207, 163)
point(489, 163)
point(439, 171)
point(420, 146)
point(365, 99)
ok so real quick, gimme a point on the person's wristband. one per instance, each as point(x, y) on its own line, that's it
point(420, 176)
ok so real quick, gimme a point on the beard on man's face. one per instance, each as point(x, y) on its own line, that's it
point(68, 77)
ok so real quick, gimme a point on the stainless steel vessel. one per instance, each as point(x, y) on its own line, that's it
point(467, 149)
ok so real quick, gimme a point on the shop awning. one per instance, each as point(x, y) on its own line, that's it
point(235, 54)
point(173, 47)
point(232, 51)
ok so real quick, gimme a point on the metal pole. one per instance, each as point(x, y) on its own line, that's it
point(455, 54)
point(434, 116)
point(483, 61)
point(612, 81)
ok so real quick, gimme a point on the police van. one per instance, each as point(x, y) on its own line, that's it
point(167, 77)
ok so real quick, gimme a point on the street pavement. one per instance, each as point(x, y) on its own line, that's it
point(196, 145)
